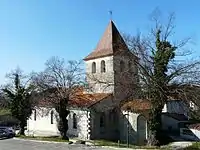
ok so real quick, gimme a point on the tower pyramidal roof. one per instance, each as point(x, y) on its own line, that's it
point(110, 44)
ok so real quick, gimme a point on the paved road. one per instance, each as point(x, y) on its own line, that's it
point(14, 144)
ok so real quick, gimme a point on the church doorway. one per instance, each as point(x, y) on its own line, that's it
point(141, 129)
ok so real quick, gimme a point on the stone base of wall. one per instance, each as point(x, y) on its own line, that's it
point(41, 133)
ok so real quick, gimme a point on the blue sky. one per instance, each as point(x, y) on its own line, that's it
point(31, 31)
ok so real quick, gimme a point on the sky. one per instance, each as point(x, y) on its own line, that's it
point(32, 31)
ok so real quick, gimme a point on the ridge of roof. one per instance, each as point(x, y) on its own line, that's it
point(136, 105)
point(111, 43)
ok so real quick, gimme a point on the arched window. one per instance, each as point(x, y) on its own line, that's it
point(102, 120)
point(93, 67)
point(74, 121)
point(52, 117)
point(35, 114)
point(122, 65)
point(103, 66)
point(130, 66)
point(114, 115)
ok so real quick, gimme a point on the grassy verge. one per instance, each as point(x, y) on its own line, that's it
point(120, 145)
point(194, 146)
point(95, 142)
point(54, 139)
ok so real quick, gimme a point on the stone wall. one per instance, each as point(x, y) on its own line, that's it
point(169, 123)
point(125, 79)
point(128, 126)
point(110, 131)
point(42, 125)
point(99, 81)
point(82, 123)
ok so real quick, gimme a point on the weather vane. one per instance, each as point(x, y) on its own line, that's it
point(110, 12)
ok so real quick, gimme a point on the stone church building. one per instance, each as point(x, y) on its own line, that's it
point(111, 74)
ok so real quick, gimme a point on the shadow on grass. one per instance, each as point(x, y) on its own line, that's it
point(51, 138)
point(120, 145)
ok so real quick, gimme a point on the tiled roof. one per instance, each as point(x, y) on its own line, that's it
point(179, 117)
point(186, 92)
point(137, 105)
point(111, 43)
point(77, 99)
point(87, 100)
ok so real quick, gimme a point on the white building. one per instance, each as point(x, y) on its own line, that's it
point(111, 73)
point(134, 119)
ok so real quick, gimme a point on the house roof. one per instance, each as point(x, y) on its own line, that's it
point(186, 92)
point(111, 43)
point(179, 117)
point(136, 105)
point(77, 98)
point(87, 100)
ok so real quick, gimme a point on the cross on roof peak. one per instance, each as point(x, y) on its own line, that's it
point(110, 13)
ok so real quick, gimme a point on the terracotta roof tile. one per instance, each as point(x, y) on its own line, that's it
point(86, 100)
point(137, 105)
point(77, 99)
point(111, 43)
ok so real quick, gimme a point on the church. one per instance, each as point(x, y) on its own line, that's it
point(111, 74)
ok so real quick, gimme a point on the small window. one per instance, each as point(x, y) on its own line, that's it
point(74, 121)
point(102, 120)
point(93, 67)
point(103, 66)
point(35, 114)
point(52, 117)
point(122, 65)
point(130, 66)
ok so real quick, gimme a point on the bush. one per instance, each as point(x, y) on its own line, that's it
point(8, 120)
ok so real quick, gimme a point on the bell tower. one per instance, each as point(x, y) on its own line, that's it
point(110, 64)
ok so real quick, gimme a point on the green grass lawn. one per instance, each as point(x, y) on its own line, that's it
point(95, 142)
point(120, 145)
point(194, 146)
point(55, 139)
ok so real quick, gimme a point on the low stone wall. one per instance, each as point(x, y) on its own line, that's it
point(39, 133)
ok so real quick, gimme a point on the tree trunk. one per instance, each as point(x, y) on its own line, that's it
point(65, 127)
point(63, 122)
point(155, 125)
point(22, 126)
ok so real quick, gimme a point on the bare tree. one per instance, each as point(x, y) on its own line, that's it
point(164, 70)
point(58, 83)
